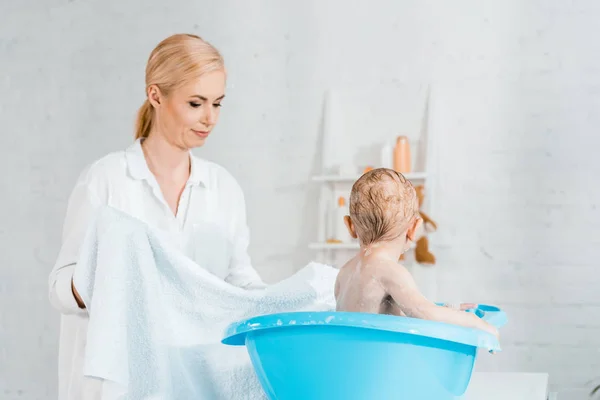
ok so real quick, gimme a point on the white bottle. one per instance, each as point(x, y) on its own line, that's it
point(387, 156)
point(341, 231)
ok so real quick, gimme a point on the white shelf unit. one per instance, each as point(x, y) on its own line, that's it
point(337, 246)
point(412, 176)
point(333, 185)
point(334, 246)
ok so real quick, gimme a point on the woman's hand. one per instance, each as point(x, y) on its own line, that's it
point(80, 302)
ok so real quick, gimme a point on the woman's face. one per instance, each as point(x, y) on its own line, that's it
point(187, 115)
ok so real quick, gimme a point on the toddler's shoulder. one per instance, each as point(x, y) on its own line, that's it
point(390, 271)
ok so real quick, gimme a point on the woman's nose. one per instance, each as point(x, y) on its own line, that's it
point(208, 118)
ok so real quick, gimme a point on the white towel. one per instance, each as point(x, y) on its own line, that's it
point(156, 318)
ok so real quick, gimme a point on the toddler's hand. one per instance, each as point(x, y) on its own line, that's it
point(461, 307)
point(467, 306)
point(493, 330)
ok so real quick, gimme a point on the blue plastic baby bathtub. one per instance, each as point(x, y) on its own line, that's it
point(357, 356)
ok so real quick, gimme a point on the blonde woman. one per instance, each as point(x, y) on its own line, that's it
point(159, 181)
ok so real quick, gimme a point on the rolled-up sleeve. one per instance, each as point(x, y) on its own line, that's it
point(241, 272)
point(82, 205)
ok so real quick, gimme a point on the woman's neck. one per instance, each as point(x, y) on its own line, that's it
point(164, 159)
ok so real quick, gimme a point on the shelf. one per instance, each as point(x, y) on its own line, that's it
point(334, 246)
point(341, 246)
point(352, 178)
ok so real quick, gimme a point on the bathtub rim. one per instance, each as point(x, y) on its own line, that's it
point(236, 333)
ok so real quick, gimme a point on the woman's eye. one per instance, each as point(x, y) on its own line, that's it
point(217, 105)
point(195, 105)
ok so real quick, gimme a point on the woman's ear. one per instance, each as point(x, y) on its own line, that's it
point(412, 230)
point(350, 226)
point(154, 95)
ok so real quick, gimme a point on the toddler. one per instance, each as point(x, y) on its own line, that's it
point(384, 216)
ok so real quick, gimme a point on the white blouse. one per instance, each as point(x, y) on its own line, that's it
point(210, 227)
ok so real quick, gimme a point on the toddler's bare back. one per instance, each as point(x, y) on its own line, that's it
point(359, 287)
point(381, 286)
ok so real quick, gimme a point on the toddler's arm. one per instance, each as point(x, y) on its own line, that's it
point(401, 286)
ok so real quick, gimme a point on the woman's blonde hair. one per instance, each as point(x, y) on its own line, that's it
point(174, 62)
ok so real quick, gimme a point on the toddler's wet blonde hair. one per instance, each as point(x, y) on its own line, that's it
point(383, 204)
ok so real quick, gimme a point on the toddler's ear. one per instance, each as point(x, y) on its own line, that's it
point(412, 230)
point(350, 226)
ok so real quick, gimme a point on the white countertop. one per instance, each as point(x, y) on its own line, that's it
point(507, 385)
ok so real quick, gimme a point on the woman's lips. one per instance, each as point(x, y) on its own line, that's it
point(202, 134)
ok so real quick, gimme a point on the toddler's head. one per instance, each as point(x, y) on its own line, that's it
point(383, 207)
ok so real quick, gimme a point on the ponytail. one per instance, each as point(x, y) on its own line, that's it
point(144, 121)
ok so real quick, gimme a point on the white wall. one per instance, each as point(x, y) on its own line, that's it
point(517, 199)
point(517, 84)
